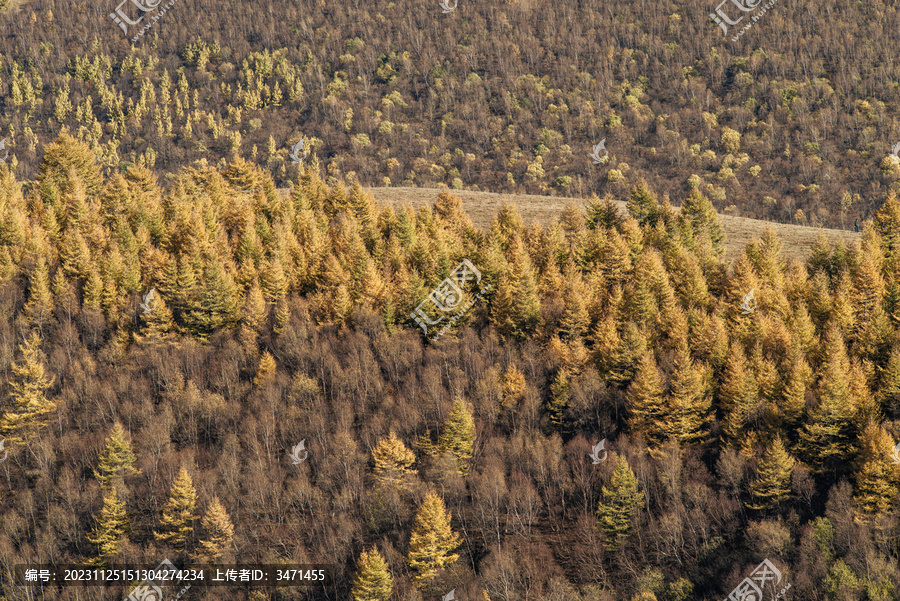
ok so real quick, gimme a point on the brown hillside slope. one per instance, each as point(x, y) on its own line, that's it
point(482, 206)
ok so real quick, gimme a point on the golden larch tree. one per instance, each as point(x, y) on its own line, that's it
point(179, 512)
point(218, 532)
point(28, 385)
point(393, 461)
point(373, 581)
point(111, 528)
point(432, 540)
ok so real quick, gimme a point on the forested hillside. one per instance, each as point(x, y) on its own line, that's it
point(794, 121)
point(749, 411)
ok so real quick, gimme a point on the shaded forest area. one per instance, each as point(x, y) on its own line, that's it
point(144, 426)
point(794, 122)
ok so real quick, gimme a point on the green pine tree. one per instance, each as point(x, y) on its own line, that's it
point(602, 213)
point(619, 504)
point(703, 220)
point(773, 477)
point(458, 435)
point(503, 307)
point(559, 398)
point(887, 224)
point(528, 305)
point(215, 305)
point(640, 305)
point(643, 205)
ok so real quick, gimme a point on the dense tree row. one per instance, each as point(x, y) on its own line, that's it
point(786, 123)
point(141, 426)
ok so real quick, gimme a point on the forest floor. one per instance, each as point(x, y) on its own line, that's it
point(481, 207)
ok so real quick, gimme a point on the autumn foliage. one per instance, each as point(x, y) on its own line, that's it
point(139, 428)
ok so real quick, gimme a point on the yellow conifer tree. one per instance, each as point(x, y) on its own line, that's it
point(393, 461)
point(178, 513)
point(30, 406)
point(432, 540)
point(219, 532)
point(373, 581)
